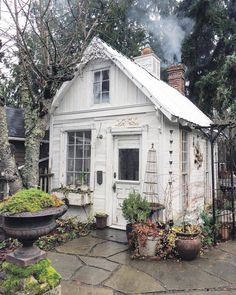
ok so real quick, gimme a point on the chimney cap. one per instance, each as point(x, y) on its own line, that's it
point(147, 50)
point(176, 67)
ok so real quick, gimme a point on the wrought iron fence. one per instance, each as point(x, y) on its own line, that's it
point(225, 188)
point(223, 171)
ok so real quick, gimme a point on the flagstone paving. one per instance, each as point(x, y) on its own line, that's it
point(130, 280)
point(99, 264)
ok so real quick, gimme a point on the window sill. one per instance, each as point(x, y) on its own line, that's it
point(128, 181)
point(76, 199)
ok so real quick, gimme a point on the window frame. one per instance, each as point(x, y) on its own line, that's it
point(75, 158)
point(100, 84)
point(185, 167)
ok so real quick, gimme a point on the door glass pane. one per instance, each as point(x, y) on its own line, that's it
point(128, 164)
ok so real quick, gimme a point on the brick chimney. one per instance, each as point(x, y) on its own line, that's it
point(176, 77)
point(149, 61)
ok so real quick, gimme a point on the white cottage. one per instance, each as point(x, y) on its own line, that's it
point(105, 121)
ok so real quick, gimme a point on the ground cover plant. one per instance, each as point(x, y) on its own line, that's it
point(67, 229)
point(29, 200)
point(35, 279)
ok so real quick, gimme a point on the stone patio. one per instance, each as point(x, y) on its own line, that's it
point(99, 264)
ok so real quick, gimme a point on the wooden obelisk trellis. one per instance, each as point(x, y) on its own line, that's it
point(150, 187)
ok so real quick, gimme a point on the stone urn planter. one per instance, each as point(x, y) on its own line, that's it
point(27, 227)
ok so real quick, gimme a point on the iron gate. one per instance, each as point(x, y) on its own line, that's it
point(223, 171)
point(225, 187)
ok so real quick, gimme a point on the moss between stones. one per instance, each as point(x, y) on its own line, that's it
point(29, 200)
point(34, 280)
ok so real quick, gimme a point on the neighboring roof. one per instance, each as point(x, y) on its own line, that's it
point(16, 126)
point(15, 122)
point(169, 100)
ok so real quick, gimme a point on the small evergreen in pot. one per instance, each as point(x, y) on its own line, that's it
point(135, 209)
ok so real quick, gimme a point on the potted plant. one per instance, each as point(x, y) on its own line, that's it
point(101, 220)
point(225, 231)
point(27, 215)
point(188, 242)
point(135, 209)
point(147, 235)
point(74, 195)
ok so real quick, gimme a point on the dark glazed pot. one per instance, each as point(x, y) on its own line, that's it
point(188, 246)
point(130, 236)
point(27, 227)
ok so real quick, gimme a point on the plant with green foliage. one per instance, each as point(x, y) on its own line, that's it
point(29, 200)
point(67, 229)
point(207, 228)
point(209, 54)
point(135, 209)
point(36, 279)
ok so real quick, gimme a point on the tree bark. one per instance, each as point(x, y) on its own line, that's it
point(35, 127)
point(7, 158)
point(33, 140)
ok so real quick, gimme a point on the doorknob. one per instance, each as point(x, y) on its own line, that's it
point(114, 174)
point(114, 187)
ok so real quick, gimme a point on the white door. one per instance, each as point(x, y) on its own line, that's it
point(126, 173)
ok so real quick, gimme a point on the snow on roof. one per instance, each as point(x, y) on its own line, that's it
point(169, 100)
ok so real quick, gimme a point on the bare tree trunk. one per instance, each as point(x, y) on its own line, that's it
point(7, 158)
point(33, 140)
point(35, 127)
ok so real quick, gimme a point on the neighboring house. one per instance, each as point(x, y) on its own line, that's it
point(105, 121)
point(16, 136)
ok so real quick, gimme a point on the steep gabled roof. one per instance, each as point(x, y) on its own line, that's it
point(168, 100)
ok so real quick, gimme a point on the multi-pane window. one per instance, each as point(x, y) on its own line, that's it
point(101, 86)
point(128, 164)
point(78, 158)
point(185, 167)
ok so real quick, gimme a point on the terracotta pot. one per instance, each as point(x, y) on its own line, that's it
point(225, 233)
point(188, 246)
point(101, 221)
point(130, 236)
